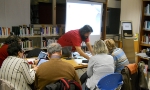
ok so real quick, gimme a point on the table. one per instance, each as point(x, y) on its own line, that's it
point(77, 63)
point(144, 56)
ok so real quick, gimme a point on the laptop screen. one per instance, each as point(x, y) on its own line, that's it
point(42, 61)
point(42, 55)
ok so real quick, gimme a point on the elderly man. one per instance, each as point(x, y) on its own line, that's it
point(54, 69)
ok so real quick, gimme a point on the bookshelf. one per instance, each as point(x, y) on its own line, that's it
point(33, 37)
point(144, 42)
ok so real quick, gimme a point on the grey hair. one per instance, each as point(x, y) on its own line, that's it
point(54, 47)
point(100, 47)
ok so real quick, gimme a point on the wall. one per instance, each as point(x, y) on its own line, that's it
point(131, 11)
point(14, 12)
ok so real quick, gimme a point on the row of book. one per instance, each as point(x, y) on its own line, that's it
point(49, 30)
point(147, 25)
point(146, 39)
point(23, 30)
point(147, 9)
point(27, 44)
point(4, 31)
point(45, 43)
point(145, 50)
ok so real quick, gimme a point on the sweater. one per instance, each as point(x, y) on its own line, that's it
point(17, 72)
point(3, 53)
point(120, 59)
point(52, 71)
point(98, 67)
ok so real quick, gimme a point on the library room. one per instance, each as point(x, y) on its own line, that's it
point(74, 44)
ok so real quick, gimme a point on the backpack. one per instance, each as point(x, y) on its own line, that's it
point(64, 84)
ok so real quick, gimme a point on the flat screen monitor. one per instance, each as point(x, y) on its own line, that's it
point(80, 13)
point(42, 55)
point(67, 52)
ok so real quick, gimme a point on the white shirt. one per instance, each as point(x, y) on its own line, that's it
point(17, 72)
point(99, 66)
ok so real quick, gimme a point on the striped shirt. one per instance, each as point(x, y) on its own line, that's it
point(120, 59)
point(17, 72)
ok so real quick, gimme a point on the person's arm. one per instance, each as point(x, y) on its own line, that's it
point(90, 67)
point(79, 50)
point(115, 62)
point(29, 74)
point(89, 47)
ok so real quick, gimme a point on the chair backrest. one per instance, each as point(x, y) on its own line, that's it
point(110, 81)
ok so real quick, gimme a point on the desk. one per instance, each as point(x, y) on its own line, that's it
point(144, 56)
point(72, 62)
point(75, 64)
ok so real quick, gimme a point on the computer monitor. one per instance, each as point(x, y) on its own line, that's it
point(67, 52)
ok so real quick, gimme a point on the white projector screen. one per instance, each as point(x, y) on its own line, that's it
point(80, 13)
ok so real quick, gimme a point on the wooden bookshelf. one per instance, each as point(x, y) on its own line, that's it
point(145, 27)
point(146, 14)
point(146, 0)
point(147, 45)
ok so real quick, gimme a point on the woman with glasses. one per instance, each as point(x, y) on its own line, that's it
point(16, 70)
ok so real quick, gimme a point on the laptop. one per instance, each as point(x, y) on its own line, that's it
point(42, 55)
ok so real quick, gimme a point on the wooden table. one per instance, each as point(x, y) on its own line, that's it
point(75, 64)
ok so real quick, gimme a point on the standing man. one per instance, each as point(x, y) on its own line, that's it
point(74, 38)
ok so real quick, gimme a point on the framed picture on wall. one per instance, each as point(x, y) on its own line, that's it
point(126, 29)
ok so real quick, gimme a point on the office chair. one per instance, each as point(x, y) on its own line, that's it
point(110, 82)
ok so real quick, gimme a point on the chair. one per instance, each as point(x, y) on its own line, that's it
point(110, 82)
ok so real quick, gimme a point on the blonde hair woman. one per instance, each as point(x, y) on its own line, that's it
point(99, 65)
point(118, 54)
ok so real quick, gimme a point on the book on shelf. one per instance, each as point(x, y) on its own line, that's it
point(23, 30)
point(1, 44)
point(26, 43)
point(147, 25)
point(146, 39)
point(147, 9)
point(46, 42)
point(4, 31)
point(49, 30)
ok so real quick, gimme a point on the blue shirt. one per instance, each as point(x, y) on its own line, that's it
point(120, 59)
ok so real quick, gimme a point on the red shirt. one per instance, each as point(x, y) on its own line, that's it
point(3, 53)
point(71, 38)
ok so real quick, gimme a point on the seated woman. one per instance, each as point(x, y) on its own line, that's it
point(118, 54)
point(3, 50)
point(99, 65)
point(16, 70)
